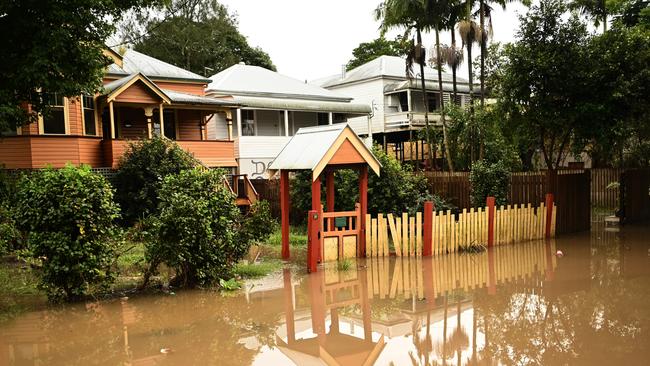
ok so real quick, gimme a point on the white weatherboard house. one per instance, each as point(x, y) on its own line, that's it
point(273, 107)
point(397, 103)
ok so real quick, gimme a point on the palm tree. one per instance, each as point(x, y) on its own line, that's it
point(408, 15)
point(469, 33)
point(452, 55)
point(597, 9)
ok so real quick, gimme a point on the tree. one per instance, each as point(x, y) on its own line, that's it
point(548, 99)
point(197, 35)
point(368, 51)
point(52, 47)
point(414, 16)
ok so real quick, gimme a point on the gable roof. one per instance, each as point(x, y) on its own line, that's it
point(134, 62)
point(247, 80)
point(116, 87)
point(313, 148)
point(383, 66)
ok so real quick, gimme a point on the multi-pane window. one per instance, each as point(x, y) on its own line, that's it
point(88, 105)
point(54, 119)
point(247, 122)
point(403, 101)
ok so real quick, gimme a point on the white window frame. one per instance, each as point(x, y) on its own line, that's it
point(83, 115)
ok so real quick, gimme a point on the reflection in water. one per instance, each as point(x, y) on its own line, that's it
point(512, 305)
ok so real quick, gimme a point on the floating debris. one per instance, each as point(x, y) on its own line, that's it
point(559, 254)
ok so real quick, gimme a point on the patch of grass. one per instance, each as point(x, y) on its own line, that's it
point(257, 270)
point(19, 289)
point(131, 262)
point(229, 285)
point(297, 237)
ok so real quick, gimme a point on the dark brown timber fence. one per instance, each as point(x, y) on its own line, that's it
point(635, 186)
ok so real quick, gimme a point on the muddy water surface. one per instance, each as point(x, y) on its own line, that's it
point(516, 304)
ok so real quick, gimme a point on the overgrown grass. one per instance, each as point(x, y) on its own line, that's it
point(18, 289)
point(257, 270)
point(131, 261)
point(297, 236)
point(473, 248)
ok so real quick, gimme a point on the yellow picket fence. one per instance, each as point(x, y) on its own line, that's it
point(406, 235)
point(455, 232)
point(406, 277)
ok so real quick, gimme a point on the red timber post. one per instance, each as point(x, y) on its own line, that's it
point(363, 203)
point(313, 240)
point(492, 275)
point(549, 213)
point(427, 227)
point(329, 195)
point(491, 201)
point(285, 207)
point(317, 206)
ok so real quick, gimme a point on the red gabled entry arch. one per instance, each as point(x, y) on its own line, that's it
point(323, 150)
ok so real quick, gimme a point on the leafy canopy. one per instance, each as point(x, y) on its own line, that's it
point(197, 35)
point(368, 51)
point(53, 46)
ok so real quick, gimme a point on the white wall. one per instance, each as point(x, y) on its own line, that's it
point(255, 153)
point(366, 92)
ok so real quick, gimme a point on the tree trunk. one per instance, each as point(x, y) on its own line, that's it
point(483, 52)
point(471, 93)
point(453, 67)
point(450, 164)
point(424, 97)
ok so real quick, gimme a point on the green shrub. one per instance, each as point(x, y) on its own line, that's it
point(9, 234)
point(258, 223)
point(489, 180)
point(197, 233)
point(68, 215)
point(141, 172)
point(398, 189)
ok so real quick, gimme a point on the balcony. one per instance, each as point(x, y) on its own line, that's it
point(400, 121)
point(211, 153)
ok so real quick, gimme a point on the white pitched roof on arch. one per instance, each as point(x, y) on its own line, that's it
point(312, 148)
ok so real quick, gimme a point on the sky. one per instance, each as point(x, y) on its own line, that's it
point(309, 39)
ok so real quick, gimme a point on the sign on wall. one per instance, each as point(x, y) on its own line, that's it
point(255, 168)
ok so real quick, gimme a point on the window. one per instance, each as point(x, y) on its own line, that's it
point(432, 100)
point(339, 118)
point(247, 122)
point(169, 116)
point(54, 120)
point(323, 119)
point(404, 102)
point(88, 106)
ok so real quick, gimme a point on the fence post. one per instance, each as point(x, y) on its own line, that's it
point(313, 240)
point(491, 202)
point(427, 240)
point(549, 214)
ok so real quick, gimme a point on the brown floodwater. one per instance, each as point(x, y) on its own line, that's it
point(515, 305)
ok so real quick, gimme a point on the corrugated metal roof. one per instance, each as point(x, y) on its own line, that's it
point(135, 62)
point(308, 147)
point(300, 104)
point(428, 84)
point(246, 80)
point(183, 98)
point(387, 66)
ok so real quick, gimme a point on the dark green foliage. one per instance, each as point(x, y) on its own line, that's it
point(9, 234)
point(141, 171)
point(489, 179)
point(368, 51)
point(545, 82)
point(480, 132)
point(53, 46)
point(197, 232)
point(68, 215)
point(258, 223)
point(398, 188)
point(197, 35)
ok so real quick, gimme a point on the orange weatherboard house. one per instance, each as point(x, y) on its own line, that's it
point(141, 97)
